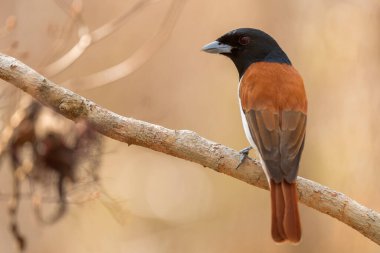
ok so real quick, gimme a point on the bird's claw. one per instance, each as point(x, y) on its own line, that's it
point(243, 155)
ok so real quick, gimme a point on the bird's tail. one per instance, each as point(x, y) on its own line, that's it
point(285, 216)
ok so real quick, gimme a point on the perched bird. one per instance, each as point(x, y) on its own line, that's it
point(273, 107)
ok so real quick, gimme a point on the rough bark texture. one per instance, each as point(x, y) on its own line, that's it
point(184, 144)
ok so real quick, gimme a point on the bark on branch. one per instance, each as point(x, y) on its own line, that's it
point(184, 144)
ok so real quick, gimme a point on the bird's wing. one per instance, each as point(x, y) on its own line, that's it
point(279, 138)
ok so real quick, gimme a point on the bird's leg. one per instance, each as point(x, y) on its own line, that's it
point(243, 155)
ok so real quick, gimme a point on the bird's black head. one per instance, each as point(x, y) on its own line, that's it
point(245, 46)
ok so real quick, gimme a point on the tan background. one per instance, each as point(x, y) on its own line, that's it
point(169, 205)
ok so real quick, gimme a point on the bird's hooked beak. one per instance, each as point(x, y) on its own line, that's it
point(217, 47)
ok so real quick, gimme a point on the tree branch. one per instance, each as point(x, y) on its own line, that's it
point(184, 144)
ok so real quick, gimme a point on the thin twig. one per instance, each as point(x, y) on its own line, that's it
point(15, 120)
point(75, 19)
point(62, 204)
point(184, 144)
point(13, 210)
point(137, 59)
point(88, 38)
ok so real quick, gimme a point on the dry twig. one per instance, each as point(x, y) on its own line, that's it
point(137, 59)
point(87, 38)
point(183, 144)
point(75, 20)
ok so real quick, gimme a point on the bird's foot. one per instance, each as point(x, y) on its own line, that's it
point(243, 155)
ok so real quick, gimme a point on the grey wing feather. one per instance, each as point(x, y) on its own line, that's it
point(280, 139)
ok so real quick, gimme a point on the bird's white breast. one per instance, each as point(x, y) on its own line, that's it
point(244, 120)
point(245, 126)
point(248, 133)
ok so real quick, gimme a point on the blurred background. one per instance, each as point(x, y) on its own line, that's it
point(148, 65)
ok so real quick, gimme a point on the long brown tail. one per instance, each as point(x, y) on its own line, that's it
point(285, 216)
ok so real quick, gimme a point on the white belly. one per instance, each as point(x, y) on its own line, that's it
point(246, 128)
point(249, 136)
point(245, 123)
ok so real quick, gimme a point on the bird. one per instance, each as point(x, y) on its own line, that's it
point(273, 107)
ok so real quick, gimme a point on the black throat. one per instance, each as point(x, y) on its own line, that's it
point(243, 61)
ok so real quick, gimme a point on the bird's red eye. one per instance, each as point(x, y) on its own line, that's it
point(244, 40)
